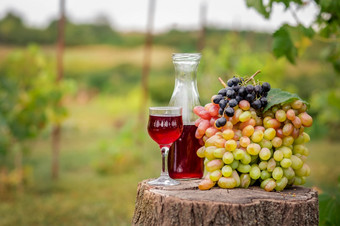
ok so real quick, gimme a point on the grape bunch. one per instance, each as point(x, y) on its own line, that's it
point(236, 90)
point(251, 147)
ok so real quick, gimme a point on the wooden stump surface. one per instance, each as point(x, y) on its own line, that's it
point(184, 204)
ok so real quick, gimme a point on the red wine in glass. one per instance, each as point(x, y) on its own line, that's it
point(165, 129)
point(165, 126)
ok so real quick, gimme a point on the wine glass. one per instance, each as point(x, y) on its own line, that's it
point(165, 126)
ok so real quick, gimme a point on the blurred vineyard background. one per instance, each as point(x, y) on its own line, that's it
point(105, 149)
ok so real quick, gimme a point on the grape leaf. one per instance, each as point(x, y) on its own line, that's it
point(278, 96)
point(283, 44)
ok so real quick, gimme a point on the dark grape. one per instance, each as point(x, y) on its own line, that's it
point(235, 81)
point(230, 82)
point(229, 111)
point(264, 101)
point(220, 122)
point(258, 89)
point(264, 94)
point(230, 93)
point(250, 88)
point(256, 104)
point(242, 91)
point(217, 99)
point(233, 103)
point(236, 88)
point(222, 92)
point(220, 111)
point(223, 103)
point(266, 86)
point(238, 98)
point(250, 97)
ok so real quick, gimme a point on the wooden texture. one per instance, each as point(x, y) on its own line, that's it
point(185, 205)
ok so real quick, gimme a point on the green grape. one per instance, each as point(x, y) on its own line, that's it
point(285, 162)
point(228, 157)
point(299, 181)
point(289, 173)
point(269, 134)
point(287, 152)
point(254, 158)
point(277, 142)
point(243, 168)
point(230, 145)
point(281, 184)
point(265, 175)
point(238, 154)
point(245, 180)
point(234, 164)
point(255, 172)
point(280, 115)
point(245, 116)
point(286, 107)
point(278, 155)
point(266, 144)
point(214, 165)
point(299, 140)
point(263, 165)
point(299, 149)
point(219, 152)
point(227, 182)
point(257, 136)
point(209, 152)
point(306, 152)
point(227, 171)
point(246, 159)
point(287, 141)
point(253, 149)
point(271, 165)
point(296, 162)
point(306, 137)
point(215, 175)
point(277, 173)
point(236, 177)
point(304, 171)
point(206, 161)
point(265, 154)
point(291, 181)
point(268, 184)
point(201, 152)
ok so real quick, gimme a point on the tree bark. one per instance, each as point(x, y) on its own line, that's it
point(147, 61)
point(185, 205)
point(56, 131)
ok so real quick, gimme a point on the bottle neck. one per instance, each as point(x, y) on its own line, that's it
point(186, 71)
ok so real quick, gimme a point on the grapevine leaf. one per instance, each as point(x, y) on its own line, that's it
point(278, 96)
point(283, 44)
point(259, 7)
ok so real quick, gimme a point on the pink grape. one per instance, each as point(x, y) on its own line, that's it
point(287, 129)
point(248, 131)
point(244, 105)
point(297, 122)
point(306, 119)
point(201, 112)
point(290, 114)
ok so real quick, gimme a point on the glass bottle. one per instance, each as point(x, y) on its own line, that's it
point(183, 162)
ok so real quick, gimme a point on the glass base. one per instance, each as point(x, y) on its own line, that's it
point(164, 181)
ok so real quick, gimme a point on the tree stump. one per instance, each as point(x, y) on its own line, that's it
point(185, 205)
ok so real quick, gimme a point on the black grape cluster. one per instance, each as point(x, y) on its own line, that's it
point(236, 91)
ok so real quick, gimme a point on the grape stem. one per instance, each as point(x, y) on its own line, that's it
point(222, 82)
point(252, 77)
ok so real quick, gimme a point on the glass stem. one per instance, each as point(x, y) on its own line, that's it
point(165, 152)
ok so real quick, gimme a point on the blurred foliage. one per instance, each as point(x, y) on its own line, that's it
point(29, 101)
point(329, 204)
